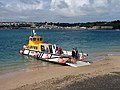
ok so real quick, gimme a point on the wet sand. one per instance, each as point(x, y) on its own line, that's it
point(99, 75)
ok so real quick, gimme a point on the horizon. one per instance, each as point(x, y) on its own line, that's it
point(62, 11)
point(55, 22)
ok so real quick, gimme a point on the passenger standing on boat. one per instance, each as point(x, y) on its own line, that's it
point(60, 50)
point(47, 50)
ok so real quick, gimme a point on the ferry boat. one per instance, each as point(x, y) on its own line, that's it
point(37, 48)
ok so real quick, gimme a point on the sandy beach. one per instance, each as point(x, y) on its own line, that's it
point(102, 75)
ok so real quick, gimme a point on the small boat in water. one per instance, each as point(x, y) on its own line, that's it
point(37, 48)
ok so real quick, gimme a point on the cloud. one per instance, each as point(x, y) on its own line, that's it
point(83, 7)
point(20, 5)
point(115, 6)
point(1, 4)
point(23, 10)
point(59, 10)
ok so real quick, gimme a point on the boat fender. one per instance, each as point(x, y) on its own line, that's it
point(61, 60)
point(36, 54)
point(83, 57)
point(47, 57)
point(21, 52)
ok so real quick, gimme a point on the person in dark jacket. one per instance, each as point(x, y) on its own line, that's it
point(76, 53)
point(73, 53)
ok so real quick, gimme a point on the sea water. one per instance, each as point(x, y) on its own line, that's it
point(96, 43)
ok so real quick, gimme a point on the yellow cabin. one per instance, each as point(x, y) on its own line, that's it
point(37, 43)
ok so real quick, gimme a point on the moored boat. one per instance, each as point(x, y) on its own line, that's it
point(37, 48)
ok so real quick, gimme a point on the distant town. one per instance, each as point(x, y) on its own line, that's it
point(50, 25)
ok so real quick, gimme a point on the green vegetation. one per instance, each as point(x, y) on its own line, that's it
point(115, 24)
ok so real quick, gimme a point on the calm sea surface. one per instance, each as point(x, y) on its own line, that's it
point(96, 43)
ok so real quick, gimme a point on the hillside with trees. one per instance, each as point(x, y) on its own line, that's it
point(51, 25)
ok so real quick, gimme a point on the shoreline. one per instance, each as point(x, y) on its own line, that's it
point(63, 75)
point(75, 29)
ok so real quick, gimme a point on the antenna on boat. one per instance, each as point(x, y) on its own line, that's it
point(34, 32)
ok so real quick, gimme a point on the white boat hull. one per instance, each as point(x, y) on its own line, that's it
point(78, 64)
point(62, 59)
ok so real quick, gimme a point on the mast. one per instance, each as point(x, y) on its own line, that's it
point(34, 33)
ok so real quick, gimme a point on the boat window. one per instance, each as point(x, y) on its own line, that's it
point(36, 48)
point(33, 47)
point(31, 39)
point(42, 48)
point(41, 39)
point(50, 47)
point(53, 47)
point(37, 39)
point(34, 39)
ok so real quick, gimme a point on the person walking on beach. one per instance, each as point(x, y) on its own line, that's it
point(73, 53)
point(76, 53)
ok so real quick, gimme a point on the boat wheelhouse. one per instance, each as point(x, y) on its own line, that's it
point(36, 43)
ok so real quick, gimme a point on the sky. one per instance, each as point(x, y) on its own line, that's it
point(71, 11)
